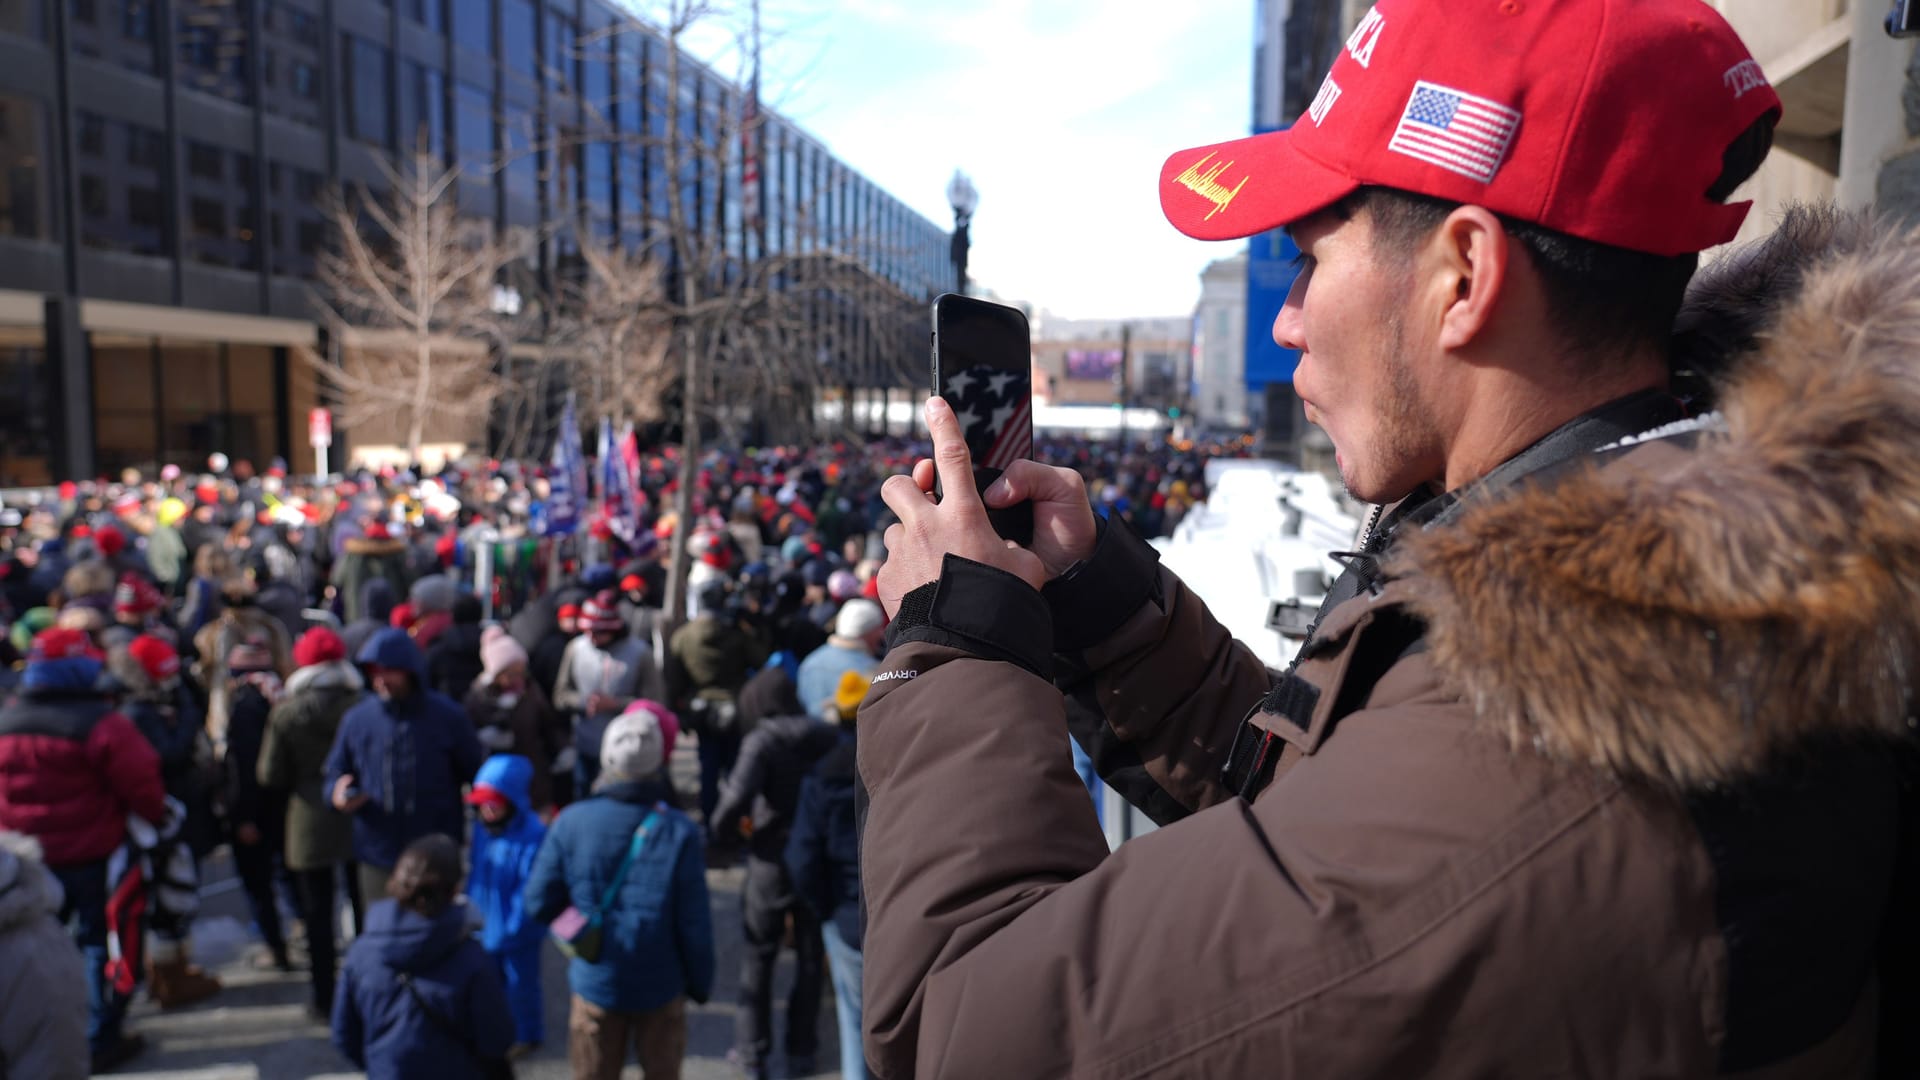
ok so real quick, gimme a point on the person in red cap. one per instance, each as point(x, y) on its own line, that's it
point(318, 839)
point(138, 607)
point(603, 671)
point(72, 770)
point(1587, 766)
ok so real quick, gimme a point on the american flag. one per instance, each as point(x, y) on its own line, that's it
point(995, 409)
point(1457, 131)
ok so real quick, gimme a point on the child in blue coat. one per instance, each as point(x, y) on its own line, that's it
point(506, 838)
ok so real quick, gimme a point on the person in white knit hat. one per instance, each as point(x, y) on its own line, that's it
point(656, 948)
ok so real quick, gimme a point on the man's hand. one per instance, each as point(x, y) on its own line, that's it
point(340, 800)
point(247, 833)
point(1063, 527)
point(928, 532)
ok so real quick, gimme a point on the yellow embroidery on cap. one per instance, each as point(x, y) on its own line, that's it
point(1207, 184)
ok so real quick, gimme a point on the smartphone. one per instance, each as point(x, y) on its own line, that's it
point(983, 367)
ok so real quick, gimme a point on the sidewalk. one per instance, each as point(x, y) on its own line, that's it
point(257, 1028)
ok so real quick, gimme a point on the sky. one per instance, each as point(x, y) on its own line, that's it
point(1061, 111)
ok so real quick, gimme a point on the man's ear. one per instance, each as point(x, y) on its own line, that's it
point(1468, 257)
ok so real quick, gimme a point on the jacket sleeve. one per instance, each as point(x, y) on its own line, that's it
point(276, 751)
point(566, 696)
point(693, 918)
point(545, 892)
point(349, 1028)
point(741, 785)
point(806, 854)
point(131, 767)
point(340, 760)
point(1155, 687)
point(677, 680)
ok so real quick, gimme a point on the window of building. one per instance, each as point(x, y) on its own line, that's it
point(292, 82)
point(121, 185)
point(147, 213)
point(92, 135)
point(423, 110)
point(26, 408)
point(364, 89)
point(599, 170)
point(522, 164)
point(297, 196)
point(432, 13)
point(146, 148)
point(215, 47)
point(563, 52)
point(205, 161)
point(209, 218)
point(519, 30)
point(93, 197)
point(25, 210)
point(25, 18)
point(193, 410)
point(595, 84)
point(473, 25)
point(125, 421)
point(473, 134)
point(136, 19)
point(304, 82)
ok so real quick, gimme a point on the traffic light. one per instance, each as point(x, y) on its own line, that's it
point(1173, 412)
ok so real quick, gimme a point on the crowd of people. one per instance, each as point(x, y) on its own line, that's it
point(329, 679)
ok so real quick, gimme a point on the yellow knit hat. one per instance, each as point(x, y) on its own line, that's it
point(850, 693)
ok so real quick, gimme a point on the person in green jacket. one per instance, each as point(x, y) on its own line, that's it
point(376, 554)
point(319, 839)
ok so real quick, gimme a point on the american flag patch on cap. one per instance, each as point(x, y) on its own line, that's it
point(1457, 131)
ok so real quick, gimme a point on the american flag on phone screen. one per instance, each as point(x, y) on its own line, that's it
point(995, 409)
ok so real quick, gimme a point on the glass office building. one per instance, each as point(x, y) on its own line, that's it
point(163, 162)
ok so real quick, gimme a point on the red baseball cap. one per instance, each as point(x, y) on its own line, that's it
point(482, 794)
point(1603, 119)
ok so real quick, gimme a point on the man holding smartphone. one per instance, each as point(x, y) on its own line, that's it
point(1589, 765)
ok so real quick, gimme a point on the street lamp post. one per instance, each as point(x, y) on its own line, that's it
point(963, 198)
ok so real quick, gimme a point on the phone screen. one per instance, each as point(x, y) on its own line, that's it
point(983, 364)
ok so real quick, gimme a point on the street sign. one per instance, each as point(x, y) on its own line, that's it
point(320, 434)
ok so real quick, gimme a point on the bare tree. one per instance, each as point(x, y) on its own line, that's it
point(612, 321)
point(407, 286)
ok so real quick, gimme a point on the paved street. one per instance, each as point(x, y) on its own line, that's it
point(258, 1028)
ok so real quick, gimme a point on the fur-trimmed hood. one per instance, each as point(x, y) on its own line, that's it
point(1681, 614)
point(360, 545)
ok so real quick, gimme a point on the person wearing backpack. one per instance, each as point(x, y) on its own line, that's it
point(629, 872)
point(417, 995)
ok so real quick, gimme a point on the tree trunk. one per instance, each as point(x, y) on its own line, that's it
point(422, 399)
point(678, 564)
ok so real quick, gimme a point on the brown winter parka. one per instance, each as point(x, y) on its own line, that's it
point(1598, 773)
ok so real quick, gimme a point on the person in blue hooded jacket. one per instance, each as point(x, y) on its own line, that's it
point(657, 934)
point(399, 759)
point(417, 995)
point(506, 839)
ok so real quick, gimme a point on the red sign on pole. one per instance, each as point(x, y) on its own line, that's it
point(320, 428)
